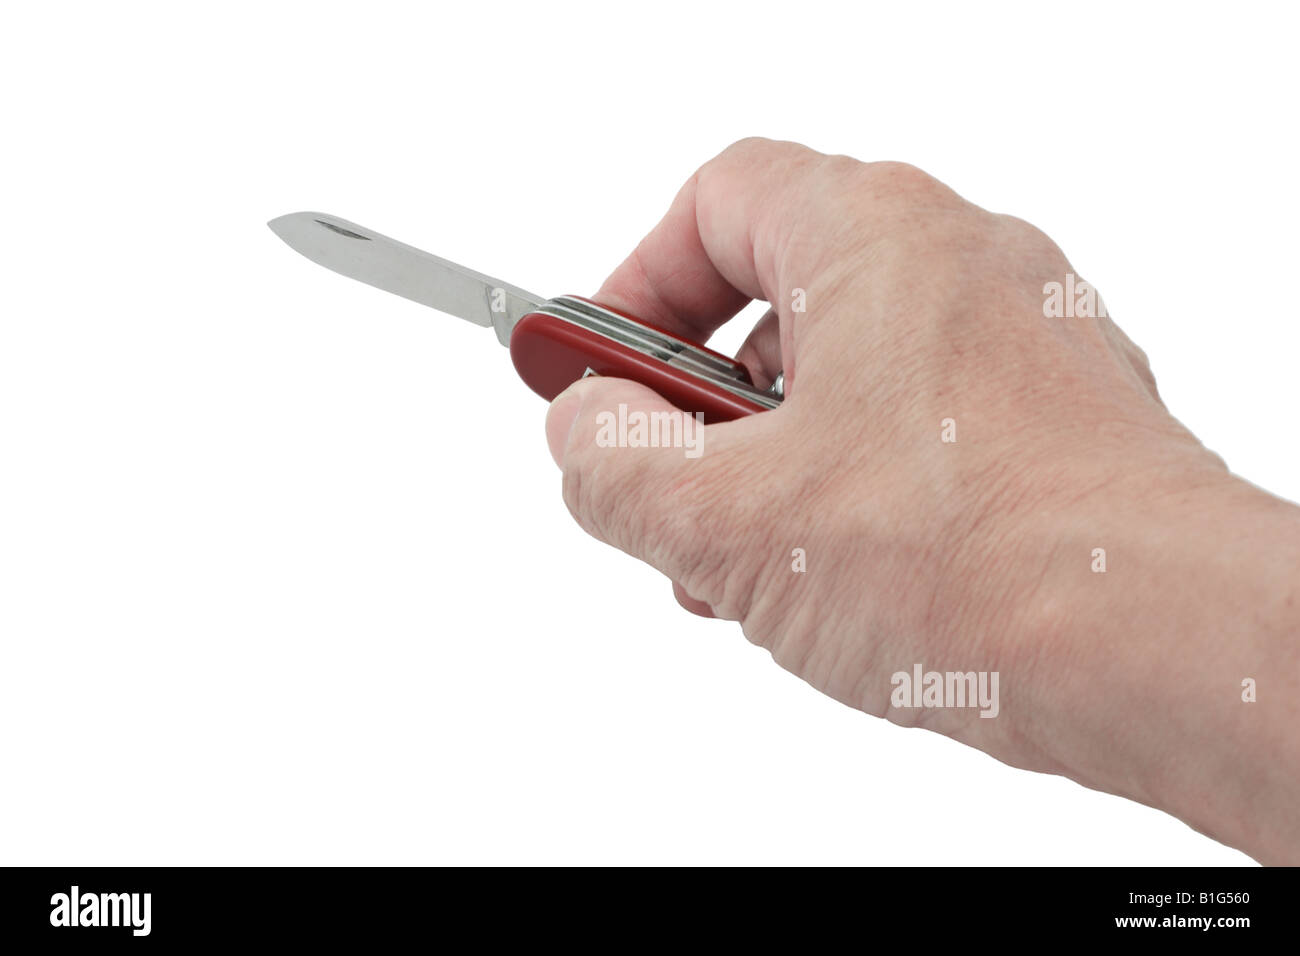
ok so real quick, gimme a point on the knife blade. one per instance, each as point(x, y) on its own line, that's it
point(365, 255)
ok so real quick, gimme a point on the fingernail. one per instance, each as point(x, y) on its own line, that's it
point(561, 416)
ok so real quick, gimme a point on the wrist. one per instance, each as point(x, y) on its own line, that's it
point(1135, 675)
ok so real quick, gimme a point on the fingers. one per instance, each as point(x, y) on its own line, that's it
point(688, 602)
point(761, 351)
point(649, 479)
point(670, 281)
point(723, 242)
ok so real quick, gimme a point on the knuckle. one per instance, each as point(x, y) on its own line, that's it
point(748, 144)
point(596, 493)
point(688, 517)
point(755, 154)
point(692, 520)
point(1023, 236)
point(702, 535)
point(903, 179)
point(760, 146)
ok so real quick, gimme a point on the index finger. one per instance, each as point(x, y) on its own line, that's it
point(723, 242)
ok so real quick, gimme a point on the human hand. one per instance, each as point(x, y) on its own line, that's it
point(950, 461)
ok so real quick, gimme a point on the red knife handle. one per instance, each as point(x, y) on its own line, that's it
point(568, 338)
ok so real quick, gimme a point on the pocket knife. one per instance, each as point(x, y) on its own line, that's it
point(552, 342)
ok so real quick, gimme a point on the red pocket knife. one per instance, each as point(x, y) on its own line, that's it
point(553, 342)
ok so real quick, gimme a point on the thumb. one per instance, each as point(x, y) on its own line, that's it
point(650, 479)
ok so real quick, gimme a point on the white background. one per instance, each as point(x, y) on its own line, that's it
point(285, 575)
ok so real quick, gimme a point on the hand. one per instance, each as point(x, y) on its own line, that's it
point(975, 487)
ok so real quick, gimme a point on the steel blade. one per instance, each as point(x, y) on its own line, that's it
point(365, 255)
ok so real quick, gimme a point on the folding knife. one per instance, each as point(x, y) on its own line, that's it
point(553, 342)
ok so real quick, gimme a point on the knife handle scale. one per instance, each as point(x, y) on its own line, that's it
point(568, 338)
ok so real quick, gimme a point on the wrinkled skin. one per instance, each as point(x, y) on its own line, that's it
point(976, 554)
